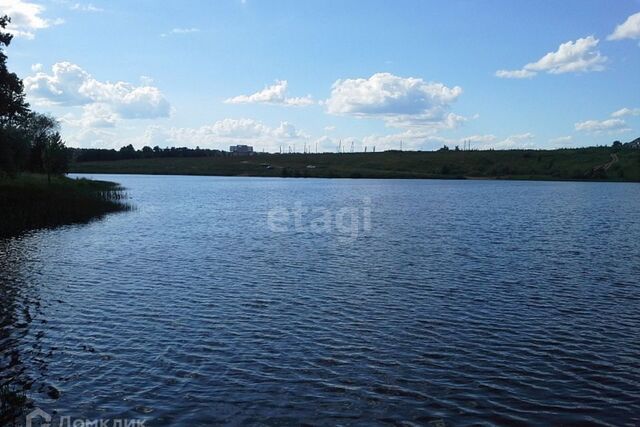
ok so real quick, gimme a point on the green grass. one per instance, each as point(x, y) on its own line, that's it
point(29, 202)
point(563, 164)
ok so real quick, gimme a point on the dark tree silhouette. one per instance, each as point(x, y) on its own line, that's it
point(28, 140)
point(39, 130)
point(14, 148)
point(12, 98)
point(54, 156)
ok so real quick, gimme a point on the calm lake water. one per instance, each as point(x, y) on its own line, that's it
point(259, 301)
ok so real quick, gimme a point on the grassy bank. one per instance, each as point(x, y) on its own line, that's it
point(29, 202)
point(564, 164)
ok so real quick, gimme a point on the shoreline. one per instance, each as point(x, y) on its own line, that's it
point(391, 178)
point(580, 164)
point(28, 202)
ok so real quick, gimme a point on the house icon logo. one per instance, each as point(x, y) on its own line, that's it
point(38, 417)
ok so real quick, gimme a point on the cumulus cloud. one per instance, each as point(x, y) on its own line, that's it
point(626, 112)
point(93, 116)
point(629, 29)
point(63, 86)
point(595, 126)
point(227, 132)
point(386, 94)
point(26, 18)
point(70, 85)
point(570, 57)
point(129, 101)
point(275, 94)
point(399, 101)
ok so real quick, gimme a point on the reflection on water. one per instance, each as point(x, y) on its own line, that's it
point(15, 318)
point(463, 303)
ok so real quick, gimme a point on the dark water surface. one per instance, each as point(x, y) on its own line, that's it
point(463, 302)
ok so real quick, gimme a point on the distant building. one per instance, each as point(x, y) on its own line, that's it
point(245, 150)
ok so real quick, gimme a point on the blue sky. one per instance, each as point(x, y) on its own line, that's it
point(274, 74)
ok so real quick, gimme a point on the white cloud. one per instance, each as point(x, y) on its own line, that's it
point(478, 140)
point(129, 101)
point(409, 139)
point(614, 125)
point(386, 94)
point(414, 139)
point(571, 57)
point(93, 116)
point(629, 29)
point(515, 74)
point(25, 17)
point(70, 85)
point(227, 132)
point(86, 7)
point(64, 86)
point(518, 141)
point(275, 94)
point(325, 144)
point(179, 31)
point(626, 112)
point(93, 138)
point(399, 101)
point(561, 140)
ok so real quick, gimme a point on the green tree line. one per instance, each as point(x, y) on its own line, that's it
point(29, 141)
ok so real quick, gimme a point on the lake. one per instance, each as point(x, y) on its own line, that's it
point(333, 302)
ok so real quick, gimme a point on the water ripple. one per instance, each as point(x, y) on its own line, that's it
point(468, 303)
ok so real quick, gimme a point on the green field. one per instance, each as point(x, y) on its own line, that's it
point(563, 164)
point(28, 202)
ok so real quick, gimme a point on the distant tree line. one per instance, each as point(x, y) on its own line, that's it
point(29, 141)
point(129, 152)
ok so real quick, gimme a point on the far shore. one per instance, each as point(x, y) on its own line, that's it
point(581, 164)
